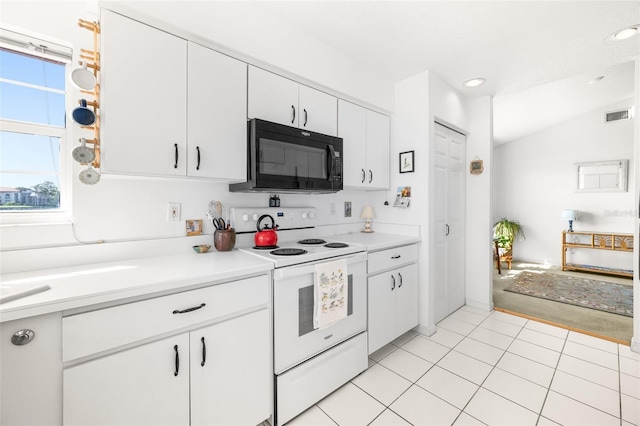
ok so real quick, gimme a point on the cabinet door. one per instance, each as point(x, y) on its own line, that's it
point(272, 97)
point(377, 151)
point(217, 115)
point(135, 387)
point(143, 99)
point(352, 128)
point(407, 299)
point(382, 309)
point(232, 384)
point(318, 111)
point(31, 374)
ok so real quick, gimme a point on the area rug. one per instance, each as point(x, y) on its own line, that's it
point(594, 294)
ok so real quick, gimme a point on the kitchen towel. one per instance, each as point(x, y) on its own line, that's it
point(331, 293)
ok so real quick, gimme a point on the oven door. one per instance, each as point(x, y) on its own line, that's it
point(295, 339)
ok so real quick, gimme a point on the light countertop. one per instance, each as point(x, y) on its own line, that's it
point(376, 241)
point(99, 283)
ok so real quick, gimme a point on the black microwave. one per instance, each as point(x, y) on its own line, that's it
point(287, 159)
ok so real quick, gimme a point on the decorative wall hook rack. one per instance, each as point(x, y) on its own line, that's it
point(91, 60)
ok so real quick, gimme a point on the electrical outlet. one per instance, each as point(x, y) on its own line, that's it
point(173, 212)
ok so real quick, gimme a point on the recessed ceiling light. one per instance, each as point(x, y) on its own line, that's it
point(596, 80)
point(625, 33)
point(474, 82)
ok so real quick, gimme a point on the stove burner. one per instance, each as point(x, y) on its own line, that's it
point(288, 252)
point(312, 241)
point(264, 247)
point(336, 245)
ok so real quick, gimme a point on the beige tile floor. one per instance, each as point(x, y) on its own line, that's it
point(489, 368)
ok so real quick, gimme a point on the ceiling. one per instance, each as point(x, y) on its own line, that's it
point(537, 56)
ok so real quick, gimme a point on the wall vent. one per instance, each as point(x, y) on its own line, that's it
point(623, 114)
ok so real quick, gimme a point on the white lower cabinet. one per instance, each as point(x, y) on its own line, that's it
point(392, 296)
point(201, 357)
point(31, 372)
point(234, 385)
point(217, 375)
point(137, 386)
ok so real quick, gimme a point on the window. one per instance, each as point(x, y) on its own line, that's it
point(32, 123)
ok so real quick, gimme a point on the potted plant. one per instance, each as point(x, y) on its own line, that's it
point(505, 233)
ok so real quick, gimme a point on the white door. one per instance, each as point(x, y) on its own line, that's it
point(318, 111)
point(231, 374)
point(143, 99)
point(352, 128)
point(449, 220)
point(146, 385)
point(272, 97)
point(217, 115)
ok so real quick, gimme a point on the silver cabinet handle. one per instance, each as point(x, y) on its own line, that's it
point(294, 114)
point(400, 275)
point(370, 176)
point(22, 337)
point(184, 311)
point(393, 286)
point(175, 373)
point(364, 175)
point(397, 256)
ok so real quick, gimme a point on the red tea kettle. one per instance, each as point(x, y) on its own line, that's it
point(266, 236)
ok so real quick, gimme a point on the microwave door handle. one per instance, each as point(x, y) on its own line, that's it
point(331, 162)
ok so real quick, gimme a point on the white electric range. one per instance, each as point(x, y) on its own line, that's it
point(309, 362)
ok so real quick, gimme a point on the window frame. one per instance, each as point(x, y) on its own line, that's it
point(15, 40)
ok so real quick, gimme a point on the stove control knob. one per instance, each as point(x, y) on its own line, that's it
point(304, 215)
point(254, 216)
point(245, 217)
point(311, 215)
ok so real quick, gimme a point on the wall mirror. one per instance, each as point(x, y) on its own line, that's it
point(602, 176)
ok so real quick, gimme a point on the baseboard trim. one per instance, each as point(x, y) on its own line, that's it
point(566, 327)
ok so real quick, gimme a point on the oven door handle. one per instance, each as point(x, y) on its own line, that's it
point(331, 162)
point(310, 268)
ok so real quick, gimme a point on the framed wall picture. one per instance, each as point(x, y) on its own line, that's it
point(194, 227)
point(406, 162)
point(476, 167)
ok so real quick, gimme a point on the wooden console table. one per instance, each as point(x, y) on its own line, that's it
point(599, 241)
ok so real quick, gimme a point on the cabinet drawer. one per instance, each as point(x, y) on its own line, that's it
point(391, 258)
point(96, 331)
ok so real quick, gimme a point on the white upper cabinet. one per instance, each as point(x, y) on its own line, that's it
point(352, 128)
point(377, 150)
point(143, 99)
point(170, 107)
point(318, 111)
point(365, 135)
point(216, 115)
point(272, 98)
point(280, 100)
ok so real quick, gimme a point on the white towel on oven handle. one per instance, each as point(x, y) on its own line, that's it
point(331, 293)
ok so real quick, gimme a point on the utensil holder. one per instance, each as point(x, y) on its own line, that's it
point(224, 239)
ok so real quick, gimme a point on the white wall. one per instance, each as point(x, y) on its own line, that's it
point(478, 256)
point(420, 101)
point(252, 35)
point(534, 182)
point(410, 132)
point(134, 209)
